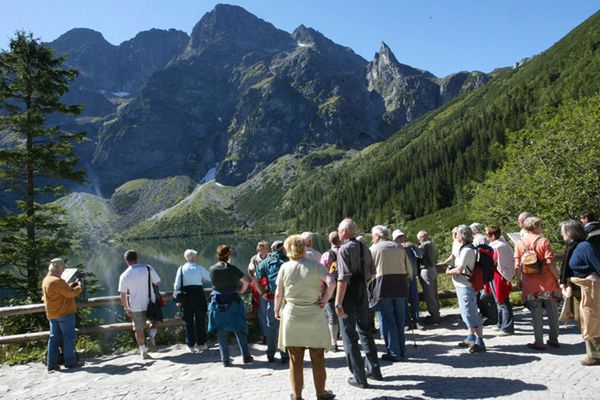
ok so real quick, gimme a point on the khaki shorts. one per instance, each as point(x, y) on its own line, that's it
point(138, 320)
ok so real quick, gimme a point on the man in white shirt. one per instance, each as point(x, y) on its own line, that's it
point(136, 292)
point(311, 253)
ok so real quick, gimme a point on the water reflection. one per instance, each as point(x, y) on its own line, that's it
point(166, 255)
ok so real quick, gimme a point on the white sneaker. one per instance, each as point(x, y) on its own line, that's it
point(201, 347)
point(191, 349)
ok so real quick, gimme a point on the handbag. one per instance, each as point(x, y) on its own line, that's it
point(567, 313)
point(153, 311)
point(182, 296)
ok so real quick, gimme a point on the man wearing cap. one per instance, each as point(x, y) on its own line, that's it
point(136, 292)
point(414, 255)
point(190, 281)
point(59, 302)
point(265, 280)
point(428, 277)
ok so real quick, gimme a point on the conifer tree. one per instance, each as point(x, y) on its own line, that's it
point(34, 160)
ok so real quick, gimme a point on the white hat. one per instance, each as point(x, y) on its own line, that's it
point(397, 233)
point(189, 254)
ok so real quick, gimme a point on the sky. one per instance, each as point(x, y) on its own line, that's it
point(440, 36)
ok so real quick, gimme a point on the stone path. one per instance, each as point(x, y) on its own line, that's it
point(437, 369)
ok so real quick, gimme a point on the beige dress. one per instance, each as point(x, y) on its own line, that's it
point(303, 323)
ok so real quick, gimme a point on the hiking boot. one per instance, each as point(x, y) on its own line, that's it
point(476, 348)
point(271, 359)
point(248, 359)
point(151, 343)
point(285, 360)
point(556, 345)
point(227, 363)
point(76, 365)
point(589, 361)
point(191, 349)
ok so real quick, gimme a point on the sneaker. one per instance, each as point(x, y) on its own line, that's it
point(556, 345)
point(476, 348)
point(431, 320)
point(190, 349)
point(353, 382)
point(144, 354)
point(201, 347)
point(285, 360)
point(465, 343)
point(589, 361)
point(248, 359)
point(387, 357)
point(270, 358)
point(151, 343)
point(505, 333)
point(335, 348)
point(55, 368)
point(227, 363)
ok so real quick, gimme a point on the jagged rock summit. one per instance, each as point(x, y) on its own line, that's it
point(238, 92)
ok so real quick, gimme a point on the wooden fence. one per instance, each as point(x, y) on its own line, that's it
point(102, 302)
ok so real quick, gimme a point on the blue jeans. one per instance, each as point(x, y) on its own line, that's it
point(505, 317)
point(412, 314)
point(467, 303)
point(62, 330)
point(272, 331)
point(242, 340)
point(261, 314)
point(352, 328)
point(390, 312)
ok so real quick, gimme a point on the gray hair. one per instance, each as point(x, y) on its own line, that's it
point(56, 264)
point(349, 225)
point(466, 233)
point(532, 223)
point(523, 216)
point(307, 237)
point(573, 230)
point(476, 227)
point(189, 254)
point(422, 235)
point(381, 231)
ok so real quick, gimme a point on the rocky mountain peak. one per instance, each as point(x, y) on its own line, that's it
point(235, 28)
point(386, 63)
point(79, 37)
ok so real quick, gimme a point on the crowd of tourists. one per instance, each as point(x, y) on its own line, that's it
point(304, 299)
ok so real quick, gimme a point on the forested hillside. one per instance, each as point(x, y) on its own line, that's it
point(426, 166)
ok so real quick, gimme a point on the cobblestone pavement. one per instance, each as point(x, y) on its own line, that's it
point(437, 369)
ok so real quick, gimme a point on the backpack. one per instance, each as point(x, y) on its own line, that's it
point(484, 267)
point(333, 265)
point(530, 262)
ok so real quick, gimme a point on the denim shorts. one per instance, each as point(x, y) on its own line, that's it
point(467, 303)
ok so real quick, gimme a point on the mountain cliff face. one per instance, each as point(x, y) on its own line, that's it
point(237, 93)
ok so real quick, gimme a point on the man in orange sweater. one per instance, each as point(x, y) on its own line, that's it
point(59, 301)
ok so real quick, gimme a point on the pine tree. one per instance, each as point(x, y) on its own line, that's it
point(34, 160)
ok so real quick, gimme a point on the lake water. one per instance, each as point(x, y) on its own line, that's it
point(106, 262)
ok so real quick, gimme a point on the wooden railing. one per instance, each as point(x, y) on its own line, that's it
point(102, 302)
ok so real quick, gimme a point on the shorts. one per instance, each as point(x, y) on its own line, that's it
point(467, 303)
point(138, 320)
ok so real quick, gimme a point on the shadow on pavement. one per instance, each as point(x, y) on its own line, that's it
point(123, 369)
point(458, 388)
point(565, 349)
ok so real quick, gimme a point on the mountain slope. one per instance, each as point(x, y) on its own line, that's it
point(425, 166)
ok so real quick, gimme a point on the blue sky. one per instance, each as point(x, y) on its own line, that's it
point(442, 36)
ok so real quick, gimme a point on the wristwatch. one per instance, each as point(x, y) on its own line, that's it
point(338, 306)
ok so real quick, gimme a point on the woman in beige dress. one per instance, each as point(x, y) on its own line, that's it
point(299, 306)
